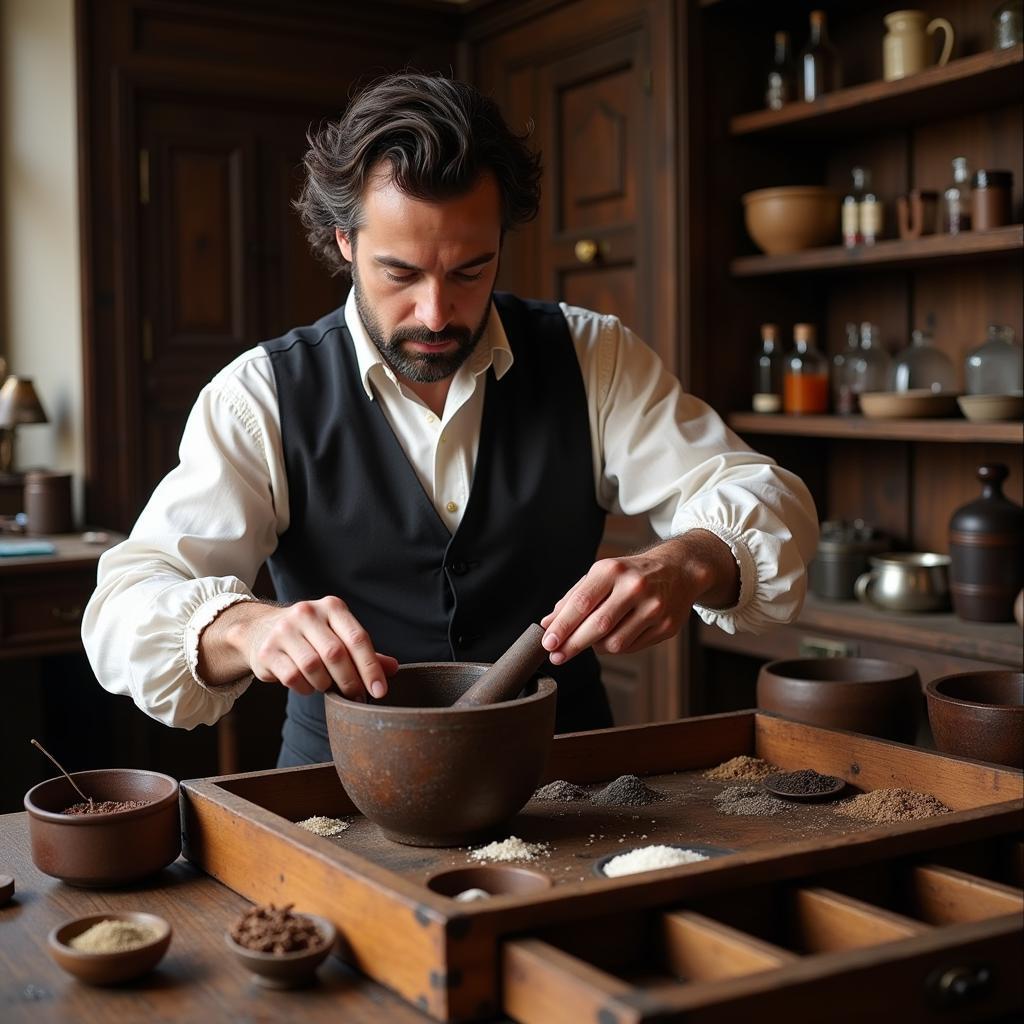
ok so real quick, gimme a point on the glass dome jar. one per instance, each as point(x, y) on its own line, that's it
point(870, 367)
point(923, 367)
point(995, 367)
point(1008, 24)
point(842, 397)
point(805, 374)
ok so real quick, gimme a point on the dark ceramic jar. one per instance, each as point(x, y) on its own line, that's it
point(986, 545)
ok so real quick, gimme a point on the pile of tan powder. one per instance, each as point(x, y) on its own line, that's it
point(886, 806)
point(512, 848)
point(321, 826)
point(750, 800)
point(113, 937)
point(104, 806)
point(271, 929)
point(750, 769)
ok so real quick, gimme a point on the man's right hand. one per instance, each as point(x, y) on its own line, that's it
point(307, 646)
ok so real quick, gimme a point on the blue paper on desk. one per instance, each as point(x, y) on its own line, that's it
point(14, 548)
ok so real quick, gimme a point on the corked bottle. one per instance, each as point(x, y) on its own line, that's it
point(986, 545)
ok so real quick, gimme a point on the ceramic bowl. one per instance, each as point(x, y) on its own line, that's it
point(914, 404)
point(865, 695)
point(104, 849)
point(287, 970)
point(792, 217)
point(108, 968)
point(979, 715)
point(991, 408)
point(432, 775)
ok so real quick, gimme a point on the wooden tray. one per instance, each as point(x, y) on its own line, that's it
point(447, 958)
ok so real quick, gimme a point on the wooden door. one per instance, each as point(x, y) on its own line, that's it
point(595, 80)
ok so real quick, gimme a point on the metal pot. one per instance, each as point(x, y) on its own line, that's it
point(842, 556)
point(916, 581)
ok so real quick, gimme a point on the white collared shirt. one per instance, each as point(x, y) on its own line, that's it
point(216, 517)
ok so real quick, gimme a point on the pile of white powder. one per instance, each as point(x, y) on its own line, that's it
point(647, 858)
point(322, 826)
point(512, 848)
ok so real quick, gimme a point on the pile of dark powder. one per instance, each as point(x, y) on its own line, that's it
point(749, 800)
point(628, 790)
point(271, 929)
point(806, 782)
point(562, 791)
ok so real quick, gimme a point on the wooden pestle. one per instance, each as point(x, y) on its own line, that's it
point(510, 673)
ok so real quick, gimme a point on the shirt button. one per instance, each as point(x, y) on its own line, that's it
point(431, 418)
point(460, 568)
point(452, 507)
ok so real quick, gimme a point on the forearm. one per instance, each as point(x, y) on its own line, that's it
point(225, 644)
point(708, 566)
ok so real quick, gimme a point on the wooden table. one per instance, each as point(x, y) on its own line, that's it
point(197, 981)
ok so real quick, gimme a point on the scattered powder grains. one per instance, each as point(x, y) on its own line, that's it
point(512, 848)
point(628, 790)
point(885, 806)
point(113, 937)
point(322, 826)
point(275, 930)
point(562, 791)
point(647, 858)
point(748, 800)
point(751, 769)
point(104, 806)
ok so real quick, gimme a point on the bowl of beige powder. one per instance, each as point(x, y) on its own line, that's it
point(104, 949)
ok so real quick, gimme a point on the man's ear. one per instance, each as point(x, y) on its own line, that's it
point(343, 244)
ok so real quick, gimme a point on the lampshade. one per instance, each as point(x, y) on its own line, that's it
point(19, 403)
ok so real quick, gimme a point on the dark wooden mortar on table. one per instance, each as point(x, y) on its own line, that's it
point(431, 771)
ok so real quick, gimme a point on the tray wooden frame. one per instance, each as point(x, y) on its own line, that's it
point(446, 957)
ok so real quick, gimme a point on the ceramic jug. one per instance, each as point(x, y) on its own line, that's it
point(906, 43)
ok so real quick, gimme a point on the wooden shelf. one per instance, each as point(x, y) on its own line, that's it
point(939, 633)
point(860, 427)
point(978, 82)
point(897, 252)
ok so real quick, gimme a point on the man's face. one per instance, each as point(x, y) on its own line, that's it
point(423, 273)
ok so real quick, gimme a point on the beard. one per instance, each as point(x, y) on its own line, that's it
point(419, 367)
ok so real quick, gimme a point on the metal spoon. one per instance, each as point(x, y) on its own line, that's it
point(87, 799)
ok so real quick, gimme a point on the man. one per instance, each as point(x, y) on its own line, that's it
point(427, 469)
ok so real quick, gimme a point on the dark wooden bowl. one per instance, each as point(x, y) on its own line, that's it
point(287, 970)
point(432, 775)
point(104, 849)
point(979, 715)
point(108, 968)
point(866, 695)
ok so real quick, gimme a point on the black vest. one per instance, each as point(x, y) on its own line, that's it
point(362, 527)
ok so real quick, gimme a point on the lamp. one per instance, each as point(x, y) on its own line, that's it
point(19, 404)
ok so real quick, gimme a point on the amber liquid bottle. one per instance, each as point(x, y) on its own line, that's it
point(819, 62)
point(805, 379)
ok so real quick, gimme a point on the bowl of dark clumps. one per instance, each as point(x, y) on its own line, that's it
point(429, 774)
point(865, 695)
point(131, 831)
point(105, 949)
point(281, 948)
point(979, 715)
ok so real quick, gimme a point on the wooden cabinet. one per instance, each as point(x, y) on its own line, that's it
point(596, 79)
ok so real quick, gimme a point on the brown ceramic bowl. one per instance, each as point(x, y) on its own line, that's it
point(879, 698)
point(792, 217)
point(979, 715)
point(104, 849)
point(917, 403)
point(108, 968)
point(432, 775)
point(287, 970)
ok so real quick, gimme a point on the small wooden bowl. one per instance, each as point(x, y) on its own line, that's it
point(494, 880)
point(287, 970)
point(979, 715)
point(770, 785)
point(108, 968)
point(792, 217)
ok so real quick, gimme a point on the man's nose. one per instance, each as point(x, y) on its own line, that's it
point(432, 307)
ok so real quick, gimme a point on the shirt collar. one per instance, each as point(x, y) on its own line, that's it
point(493, 349)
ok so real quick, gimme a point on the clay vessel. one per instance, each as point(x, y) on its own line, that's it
point(986, 547)
point(104, 849)
point(287, 970)
point(792, 217)
point(109, 968)
point(430, 774)
point(979, 715)
point(866, 695)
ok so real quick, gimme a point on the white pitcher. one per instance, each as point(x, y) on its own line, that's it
point(906, 43)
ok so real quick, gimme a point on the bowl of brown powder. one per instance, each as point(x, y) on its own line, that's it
point(128, 829)
point(282, 949)
point(104, 949)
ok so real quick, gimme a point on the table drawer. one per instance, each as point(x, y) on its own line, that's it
point(40, 613)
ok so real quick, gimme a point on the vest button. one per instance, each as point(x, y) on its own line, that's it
point(459, 567)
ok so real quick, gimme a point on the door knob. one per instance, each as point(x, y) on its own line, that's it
point(587, 250)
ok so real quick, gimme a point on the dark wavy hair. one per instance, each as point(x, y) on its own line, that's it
point(437, 135)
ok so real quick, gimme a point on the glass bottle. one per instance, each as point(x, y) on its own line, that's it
point(870, 211)
point(851, 208)
point(768, 372)
point(781, 87)
point(956, 205)
point(995, 367)
point(923, 367)
point(870, 368)
point(1008, 24)
point(805, 375)
point(819, 62)
point(842, 397)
